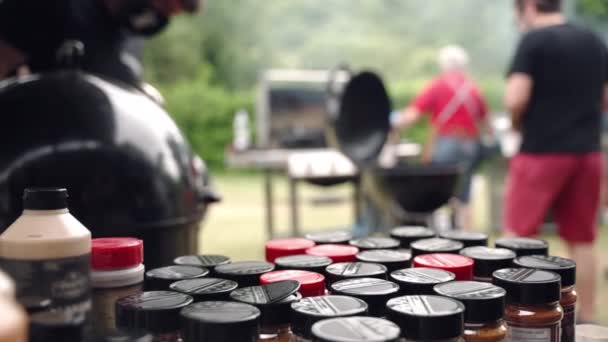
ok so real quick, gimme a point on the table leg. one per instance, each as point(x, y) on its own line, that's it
point(295, 205)
point(269, 202)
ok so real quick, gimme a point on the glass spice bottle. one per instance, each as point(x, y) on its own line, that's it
point(420, 281)
point(337, 253)
point(393, 259)
point(350, 270)
point(355, 329)
point(468, 239)
point(373, 242)
point(285, 247)
point(311, 283)
point(524, 246)
point(408, 234)
point(375, 292)
point(435, 245)
point(216, 321)
point(208, 261)
point(245, 273)
point(159, 279)
point(331, 237)
point(205, 289)
point(303, 262)
point(488, 260)
point(461, 266)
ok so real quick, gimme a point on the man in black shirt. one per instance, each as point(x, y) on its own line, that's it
point(555, 94)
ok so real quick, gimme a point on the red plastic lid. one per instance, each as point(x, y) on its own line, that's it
point(460, 265)
point(286, 247)
point(312, 284)
point(117, 252)
point(337, 253)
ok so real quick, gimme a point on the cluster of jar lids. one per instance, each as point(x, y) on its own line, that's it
point(331, 287)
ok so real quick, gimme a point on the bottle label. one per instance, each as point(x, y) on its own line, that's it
point(568, 324)
point(544, 334)
point(65, 282)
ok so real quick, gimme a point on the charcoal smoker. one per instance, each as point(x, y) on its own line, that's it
point(408, 193)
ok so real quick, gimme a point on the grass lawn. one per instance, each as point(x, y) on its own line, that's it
point(236, 226)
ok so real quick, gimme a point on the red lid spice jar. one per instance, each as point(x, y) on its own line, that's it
point(420, 281)
point(533, 312)
point(435, 245)
point(488, 260)
point(408, 234)
point(566, 268)
point(311, 283)
point(524, 246)
point(468, 239)
point(285, 247)
point(337, 253)
point(461, 266)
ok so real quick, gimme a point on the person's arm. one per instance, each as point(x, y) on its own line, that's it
point(517, 97)
point(408, 117)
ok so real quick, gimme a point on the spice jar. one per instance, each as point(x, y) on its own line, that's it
point(245, 273)
point(428, 318)
point(372, 242)
point(159, 279)
point(393, 259)
point(333, 237)
point(355, 329)
point(286, 247)
point(566, 268)
point(208, 261)
point(420, 281)
point(488, 260)
point(205, 289)
point(154, 312)
point(524, 246)
point(461, 266)
point(533, 312)
point(349, 270)
point(337, 253)
point(484, 309)
point(311, 283)
point(435, 245)
point(408, 234)
point(375, 292)
point(468, 239)
point(303, 262)
point(308, 311)
point(216, 321)
point(117, 271)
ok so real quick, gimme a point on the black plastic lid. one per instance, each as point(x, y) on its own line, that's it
point(34, 304)
point(468, 239)
point(154, 311)
point(125, 337)
point(245, 273)
point(427, 317)
point(42, 331)
point(310, 310)
point(435, 245)
point(220, 321)
point(368, 243)
point(45, 198)
point(529, 286)
point(408, 234)
point(303, 262)
point(566, 268)
point(347, 270)
point(420, 280)
point(487, 259)
point(159, 279)
point(524, 246)
point(355, 329)
point(375, 292)
point(484, 302)
point(205, 289)
point(205, 260)
point(393, 259)
point(266, 294)
point(335, 237)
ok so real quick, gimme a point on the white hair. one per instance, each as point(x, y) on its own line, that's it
point(453, 58)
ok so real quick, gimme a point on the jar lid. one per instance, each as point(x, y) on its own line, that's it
point(311, 283)
point(461, 266)
point(356, 329)
point(334, 237)
point(408, 234)
point(45, 198)
point(220, 321)
point(524, 246)
point(346, 270)
point(202, 289)
point(487, 260)
point(484, 302)
point(285, 247)
point(393, 259)
point(116, 253)
point(303, 262)
point(337, 253)
point(245, 273)
point(566, 268)
point(204, 260)
point(159, 279)
point(375, 292)
point(435, 245)
point(274, 300)
point(420, 317)
point(468, 239)
point(308, 311)
point(529, 286)
point(420, 280)
point(154, 311)
point(371, 242)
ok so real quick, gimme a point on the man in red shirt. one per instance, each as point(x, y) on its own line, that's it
point(458, 113)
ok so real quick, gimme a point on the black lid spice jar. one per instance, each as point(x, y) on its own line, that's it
point(468, 239)
point(373, 242)
point(303, 262)
point(355, 329)
point(311, 310)
point(484, 309)
point(375, 292)
point(533, 311)
point(393, 259)
point(245, 273)
point(154, 312)
point(159, 279)
point(428, 318)
point(216, 321)
point(208, 261)
point(408, 234)
point(566, 268)
point(349, 270)
point(488, 260)
point(524, 246)
point(435, 245)
point(205, 289)
point(420, 281)
point(333, 237)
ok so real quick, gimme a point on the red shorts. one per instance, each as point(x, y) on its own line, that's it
point(568, 184)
